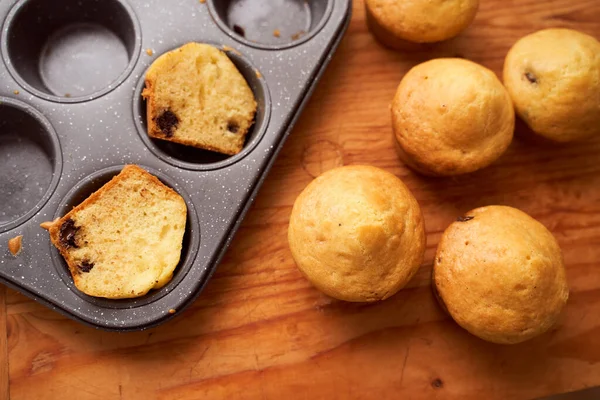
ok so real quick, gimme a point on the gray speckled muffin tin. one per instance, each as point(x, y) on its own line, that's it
point(71, 116)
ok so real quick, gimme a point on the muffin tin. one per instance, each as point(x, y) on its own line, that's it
point(71, 116)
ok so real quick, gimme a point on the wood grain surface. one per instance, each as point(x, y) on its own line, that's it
point(259, 330)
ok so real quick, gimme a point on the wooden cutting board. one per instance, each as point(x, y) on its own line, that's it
point(260, 330)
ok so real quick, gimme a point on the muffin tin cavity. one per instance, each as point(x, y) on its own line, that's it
point(271, 23)
point(72, 50)
point(197, 159)
point(30, 162)
point(191, 238)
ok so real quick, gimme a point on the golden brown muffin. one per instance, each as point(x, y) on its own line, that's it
point(500, 275)
point(124, 239)
point(395, 22)
point(197, 97)
point(451, 116)
point(357, 233)
point(553, 77)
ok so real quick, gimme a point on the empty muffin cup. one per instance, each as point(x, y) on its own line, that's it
point(272, 23)
point(30, 162)
point(71, 51)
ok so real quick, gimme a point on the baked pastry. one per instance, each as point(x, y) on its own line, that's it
point(124, 239)
point(15, 245)
point(451, 116)
point(553, 77)
point(500, 275)
point(357, 234)
point(197, 97)
point(396, 22)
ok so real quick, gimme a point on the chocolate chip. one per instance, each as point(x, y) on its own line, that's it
point(437, 383)
point(530, 77)
point(239, 30)
point(233, 127)
point(86, 266)
point(167, 122)
point(465, 218)
point(68, 230)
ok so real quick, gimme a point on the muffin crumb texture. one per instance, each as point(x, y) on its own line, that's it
point(125, 239)
point(197, 97)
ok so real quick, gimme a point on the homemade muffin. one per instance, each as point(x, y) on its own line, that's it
point(196, 96)
point(124, 239)
point(500, 275)
point(451, 116)
point(553, 77)
point(357, 233)
point(395, 22)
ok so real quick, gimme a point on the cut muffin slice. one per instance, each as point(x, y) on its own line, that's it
point(125, 239)
point(197, 97)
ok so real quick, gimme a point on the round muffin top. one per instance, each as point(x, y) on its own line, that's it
point(357, 233)
point(423, 21)
point(500, 275)
point(451, 116)
point(553, 77)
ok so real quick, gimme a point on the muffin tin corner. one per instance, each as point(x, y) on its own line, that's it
point(72, 112)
